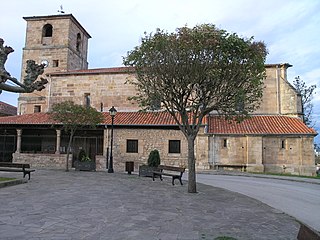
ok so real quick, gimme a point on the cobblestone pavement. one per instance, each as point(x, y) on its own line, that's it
point(99, 205)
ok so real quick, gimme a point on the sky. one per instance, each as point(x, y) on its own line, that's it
point(290, 29)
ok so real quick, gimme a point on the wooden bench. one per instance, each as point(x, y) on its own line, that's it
point(16, 167)
point(162, 170)
point(243, 167)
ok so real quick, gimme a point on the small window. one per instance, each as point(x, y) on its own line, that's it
point(132, 146)
point(239, 102)
point(283, 144)
point(101, 107)
point(87, 100)
point(55, 63)
point(47, 30)
point(37, 108)
point(174, 146)
point(78, 45)
point(225, 143)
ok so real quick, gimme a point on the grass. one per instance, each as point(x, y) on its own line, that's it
point(2, 179)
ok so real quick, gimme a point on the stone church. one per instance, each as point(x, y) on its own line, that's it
point(274, 139)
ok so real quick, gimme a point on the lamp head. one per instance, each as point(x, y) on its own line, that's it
point(112, 111)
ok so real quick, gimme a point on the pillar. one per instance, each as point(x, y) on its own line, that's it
point(19, 133)
point(58, 143)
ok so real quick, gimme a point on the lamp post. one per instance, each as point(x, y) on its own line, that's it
point(112, 112)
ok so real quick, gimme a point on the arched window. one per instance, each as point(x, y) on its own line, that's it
point(78, 41)
point(47, 30)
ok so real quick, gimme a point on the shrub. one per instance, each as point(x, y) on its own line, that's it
point(83, 156)
point(154, 158)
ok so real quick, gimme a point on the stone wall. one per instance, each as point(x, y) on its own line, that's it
point(148, 140)
point(297, 156)
point(48, 161)
point(265, 154)
point(108, 89)
point(60, 51)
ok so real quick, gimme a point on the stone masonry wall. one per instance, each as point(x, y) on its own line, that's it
point(148, 140)
point(48, 161)
point(108, 89)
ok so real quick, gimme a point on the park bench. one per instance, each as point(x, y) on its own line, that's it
point(174, 172)
point(16, 167)
point(243, 167)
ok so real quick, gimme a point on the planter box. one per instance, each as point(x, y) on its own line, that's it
point(85, 166)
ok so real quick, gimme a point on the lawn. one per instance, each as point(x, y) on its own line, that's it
point(2, 179)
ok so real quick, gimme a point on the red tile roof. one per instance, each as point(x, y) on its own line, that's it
point(7, 109)
point(35, 118)
point(141, 118)
point(259, 125)
point(114, 70)
point(216, 125)
point(122, 118)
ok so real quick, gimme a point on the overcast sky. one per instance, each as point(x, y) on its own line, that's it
point(290, 29)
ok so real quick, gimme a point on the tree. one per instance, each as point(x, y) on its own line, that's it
point(194, 71)
point(306, 99)
point(75, 117)
point(29, 83)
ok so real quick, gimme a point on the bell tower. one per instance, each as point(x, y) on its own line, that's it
point(59, 42)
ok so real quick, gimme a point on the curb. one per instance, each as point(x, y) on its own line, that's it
point(288, 178)
point(12, 182)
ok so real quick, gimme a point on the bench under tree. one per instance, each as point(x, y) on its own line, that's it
point(174, 172)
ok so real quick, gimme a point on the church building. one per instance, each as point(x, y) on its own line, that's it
point(274, 139)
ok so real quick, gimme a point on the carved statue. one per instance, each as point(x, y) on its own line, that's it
point(29, 84)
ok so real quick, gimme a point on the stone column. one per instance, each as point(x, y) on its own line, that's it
point(19, 133)
point(58, 141)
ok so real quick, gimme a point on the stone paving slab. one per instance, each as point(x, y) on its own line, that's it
point(98, 205)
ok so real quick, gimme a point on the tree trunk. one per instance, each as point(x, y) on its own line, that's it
point(192, 188)
point(68, 150)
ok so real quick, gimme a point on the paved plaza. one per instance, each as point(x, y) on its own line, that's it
point(98, 205)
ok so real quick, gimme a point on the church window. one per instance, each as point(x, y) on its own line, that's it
point(225, 143)
point(132, 146)
point(37, 108)
point(47, 30)
point(174, 146)
point(87, 99)
point(239, 102)
point(283, 144)
point(101, 107)
point(78, 45)
point(55, 63)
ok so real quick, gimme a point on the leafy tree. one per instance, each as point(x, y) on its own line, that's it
point(306, 99)
point(75, 117)
point(194, 71)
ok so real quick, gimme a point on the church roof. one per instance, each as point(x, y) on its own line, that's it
point(257, 125)
point(113, 70)
point(7, 109)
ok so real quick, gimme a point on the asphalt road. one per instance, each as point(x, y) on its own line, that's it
point(298, 199)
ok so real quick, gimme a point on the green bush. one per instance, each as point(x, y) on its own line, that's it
point(154, 158)
point(83, 156)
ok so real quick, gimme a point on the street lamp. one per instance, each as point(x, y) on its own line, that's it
point(112, 112)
